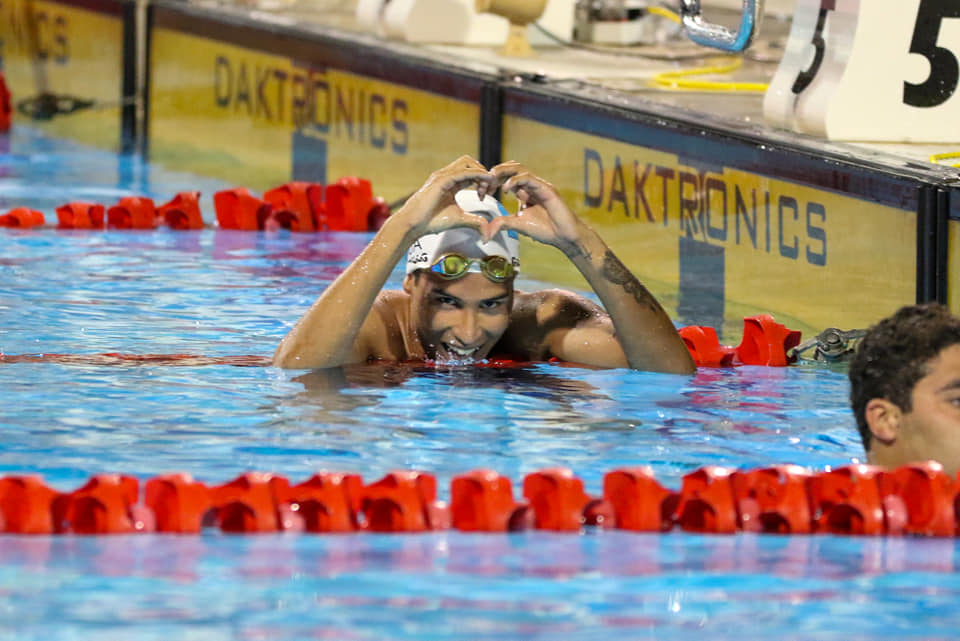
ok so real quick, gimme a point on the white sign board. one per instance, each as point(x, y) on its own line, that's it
point(870, 70)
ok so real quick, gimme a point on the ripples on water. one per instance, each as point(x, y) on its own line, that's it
point(227, 294)
point(214, 295)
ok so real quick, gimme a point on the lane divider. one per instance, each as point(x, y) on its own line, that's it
point(765, 342)
point(345, 205)
point(119, 358)
point(919, 499)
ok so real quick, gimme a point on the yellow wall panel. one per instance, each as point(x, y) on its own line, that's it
point(800, 253)
point(242, 115)
point(49, 47)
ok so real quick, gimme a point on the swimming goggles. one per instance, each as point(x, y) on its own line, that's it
point(453, 266)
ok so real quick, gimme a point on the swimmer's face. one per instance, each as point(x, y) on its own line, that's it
point(462, 319)
point(931, 429)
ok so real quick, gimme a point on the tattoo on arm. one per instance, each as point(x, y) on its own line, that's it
point(575, 250)
point(616, 272)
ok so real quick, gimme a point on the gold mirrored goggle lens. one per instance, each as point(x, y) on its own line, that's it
point(496, 268)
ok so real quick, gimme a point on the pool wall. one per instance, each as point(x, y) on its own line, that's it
point(720, 220)
point(84, 49)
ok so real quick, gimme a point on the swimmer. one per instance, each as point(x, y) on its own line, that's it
point(905, 388)
point(458, 303)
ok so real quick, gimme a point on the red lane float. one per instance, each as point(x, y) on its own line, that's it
point(22, 217)
point(928, 497)
point(80, 215)
point(706, 502)
point(346, 205)
point(404, 502)
point(239, 209)
point(178, 502)
point(132, 212)
point(705, 347)
point(182, 212)
point(328, 502)
point(26, 505)
point(557, 499)
point(847, 501)
point(773, 500)
point(919, 500)
point(107, 504)
point(639, 502)
point(349, 202)
point(249, 503)
point(482, 501)
point(296, 205)
point(764, 342)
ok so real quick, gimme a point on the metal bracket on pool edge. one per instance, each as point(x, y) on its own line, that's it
point(718, 36)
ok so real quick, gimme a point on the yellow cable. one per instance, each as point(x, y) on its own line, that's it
point(676, 80)
point(936, 158)
point(665, 13)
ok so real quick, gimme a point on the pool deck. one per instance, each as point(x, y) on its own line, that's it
point(624, 75)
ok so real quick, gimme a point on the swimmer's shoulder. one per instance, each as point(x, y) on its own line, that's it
point(382, 331)
point(536, 317)
point(552, 307)
point(390, 308)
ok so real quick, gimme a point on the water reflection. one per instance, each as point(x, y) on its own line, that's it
point(334, 394)
point(609, 554)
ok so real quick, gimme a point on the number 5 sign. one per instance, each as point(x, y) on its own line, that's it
point(873, 70)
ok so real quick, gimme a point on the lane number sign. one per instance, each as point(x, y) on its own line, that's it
point(870, 70)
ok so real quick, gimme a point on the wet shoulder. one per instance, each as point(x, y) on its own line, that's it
point(385, 325)
point(549, 308)
point(535, 315)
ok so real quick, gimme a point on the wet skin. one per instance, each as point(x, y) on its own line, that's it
point(931, 429)
point(461, 319)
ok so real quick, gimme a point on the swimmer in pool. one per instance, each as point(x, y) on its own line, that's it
point(458, 303)
point(905, 388)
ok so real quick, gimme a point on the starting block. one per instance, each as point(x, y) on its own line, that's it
point(870, 70)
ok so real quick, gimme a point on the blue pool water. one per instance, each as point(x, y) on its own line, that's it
point(227, 294)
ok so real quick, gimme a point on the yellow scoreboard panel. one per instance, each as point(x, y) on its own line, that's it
point(48, 47)
point(811, 257)
point(258, 119)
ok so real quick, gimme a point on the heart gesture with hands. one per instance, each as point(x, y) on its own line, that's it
point(433, 208)
point(443, 314)
point(543, 215)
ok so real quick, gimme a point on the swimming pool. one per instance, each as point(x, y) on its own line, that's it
point(223, 294)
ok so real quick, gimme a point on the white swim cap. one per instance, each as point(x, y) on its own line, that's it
point(426, 250)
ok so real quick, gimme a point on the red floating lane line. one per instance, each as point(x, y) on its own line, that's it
point(764, 342)
point(116, 358)
point(917, 499)
point(346, 205)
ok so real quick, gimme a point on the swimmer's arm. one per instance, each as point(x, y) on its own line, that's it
point(642, 328)
point(339, 329)
point(329, 333)
point(569, 327)
point(644, 331)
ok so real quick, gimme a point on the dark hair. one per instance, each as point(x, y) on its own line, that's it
point(895, 354)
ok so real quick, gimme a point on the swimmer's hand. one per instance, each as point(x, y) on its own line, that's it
point(432, 208)
point(543, 215)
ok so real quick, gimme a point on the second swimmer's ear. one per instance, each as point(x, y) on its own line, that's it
point(883, 417)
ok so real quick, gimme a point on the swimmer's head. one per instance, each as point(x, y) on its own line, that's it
point(428, 251)
point(905, 388)
point(462, 287)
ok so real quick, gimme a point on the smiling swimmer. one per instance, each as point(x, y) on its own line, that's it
point(458, 301)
